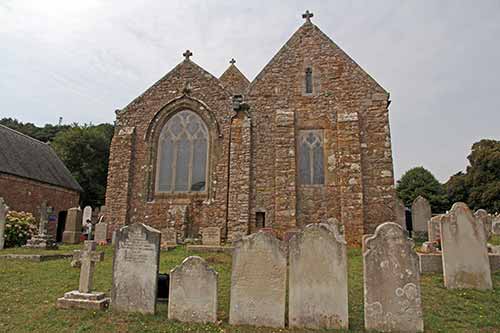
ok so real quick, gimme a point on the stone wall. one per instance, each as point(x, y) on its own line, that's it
point(26, 195)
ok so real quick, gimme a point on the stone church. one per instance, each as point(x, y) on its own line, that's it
point(306, 141)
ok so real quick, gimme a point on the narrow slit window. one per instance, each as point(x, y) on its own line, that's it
point(260, 220)
point(310, 157)
point(309, 80)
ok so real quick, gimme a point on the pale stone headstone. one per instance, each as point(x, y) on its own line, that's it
point(465, 254)
point(391, 281)
point(193, 292)
point(73, 226)
point(3, 212)
point(168, 237)
point(495, 227)
point(420, 215)
point(399, 210)
point(84, 297)
point(318, 279)
point(258, 281)
point(101, 232)
point(135, 268)
point(87, 216)
point(211, 236)
point(487, 221)
point(433, 227)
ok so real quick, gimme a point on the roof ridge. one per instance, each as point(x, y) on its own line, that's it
point(25, 135)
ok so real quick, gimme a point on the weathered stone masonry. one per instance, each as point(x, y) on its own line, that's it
point(252, 169)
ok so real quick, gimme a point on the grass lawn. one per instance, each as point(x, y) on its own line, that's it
point(28, 292)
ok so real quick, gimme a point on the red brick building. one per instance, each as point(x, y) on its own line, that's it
point(30, 173)
point(307, 140)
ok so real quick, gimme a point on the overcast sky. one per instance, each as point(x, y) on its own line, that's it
point(81, 60)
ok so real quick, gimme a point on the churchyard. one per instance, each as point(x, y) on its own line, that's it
point(30, 290)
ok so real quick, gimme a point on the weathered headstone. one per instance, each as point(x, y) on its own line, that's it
point(433, 227)
point(465, 255)
point(486, 220)
point(101, 232)
point(168, 237)
point(87, 216)
point(420, 215)
point(211, 236)
point(258, 281)
point(391, 281)
point(84, 297)
point(3, 212)
point(399, 210)
point(73, 227)
point(193, 292)
point(495, 227)
point(318, 279)
point(43, 240)
point(135, 268)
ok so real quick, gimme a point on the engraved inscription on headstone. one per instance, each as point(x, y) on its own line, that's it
point(135, 269)
point(211, 236)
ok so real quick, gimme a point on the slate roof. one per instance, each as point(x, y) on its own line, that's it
point(23, 156)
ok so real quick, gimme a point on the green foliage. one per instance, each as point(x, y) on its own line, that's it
point(420, 181)
point(19, 227)
point(44, 134)
point(84, 149)
point(479, 187)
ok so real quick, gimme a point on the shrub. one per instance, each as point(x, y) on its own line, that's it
point(19, 227)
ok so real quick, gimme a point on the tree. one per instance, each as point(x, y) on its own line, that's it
point(44, 134)
point(85, 152)
point(479, 187)
point(420, 181)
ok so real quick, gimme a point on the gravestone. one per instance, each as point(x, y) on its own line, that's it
point(433, 227)
point(391, 281)
point(399, 210)
point(73, 227)
point(495, 227)
point(43, 240)
point(87, 216)
point(168, 237)
point(465, 255)
point(193, 292)
point(211, 236)
point(258, 281)
point(318, 279)
point(84, 297)
point(421, 214)
point(135, 269)
point(101, 232)
point(3, 212)
point(486, 220)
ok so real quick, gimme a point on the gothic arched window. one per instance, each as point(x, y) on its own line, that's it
point(310, 153)
point(183, 154)
point(309, 80)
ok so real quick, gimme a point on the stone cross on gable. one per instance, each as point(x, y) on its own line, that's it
point(3, 212)
point(232, 61)
point(187, 54)
point(44, 219)
point(88, 258)
point(307, 15)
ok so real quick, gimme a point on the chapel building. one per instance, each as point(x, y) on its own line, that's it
point(306, 141)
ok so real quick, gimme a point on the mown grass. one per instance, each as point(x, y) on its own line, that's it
point(28, 292)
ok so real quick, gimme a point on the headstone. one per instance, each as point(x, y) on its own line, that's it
point(43, 240)
point(135, 268)
point(73, 227)
point(433, 228)
point(211, 236)
point(399, 210)
point(421, 214)
point(495, 227)
point(318, 279)
point(87, 216)
point(486, 220)
point(391, 281)
point(258, 281)
point(84, 297)
point(193, 292)
point(101, 232)
point(465, 254)
point(168, 237)
point(3, 212)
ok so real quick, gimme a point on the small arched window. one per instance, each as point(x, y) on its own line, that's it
point(309, 80)
point(182, 154)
